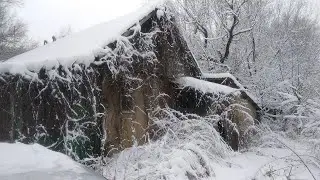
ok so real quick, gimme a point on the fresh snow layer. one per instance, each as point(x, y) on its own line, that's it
point(223, 75)
point(234, 79)
point(272, 163)
point(79, 47)
point(205, 86)
point(173, 162)
point(171, 157)
point(19, 161)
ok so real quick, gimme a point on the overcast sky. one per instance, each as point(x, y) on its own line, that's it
point(47, 17)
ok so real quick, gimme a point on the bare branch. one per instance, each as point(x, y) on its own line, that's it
point(243, 31)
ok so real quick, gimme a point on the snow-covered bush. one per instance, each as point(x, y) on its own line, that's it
point(292, 115)
point(296, 116)
point(186, 148)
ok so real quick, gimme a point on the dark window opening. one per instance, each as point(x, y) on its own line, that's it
point(126, 102)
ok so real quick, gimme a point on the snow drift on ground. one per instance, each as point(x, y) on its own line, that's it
point(183, 153)
point(272, 162)
point(35, 162)
point(192, 149)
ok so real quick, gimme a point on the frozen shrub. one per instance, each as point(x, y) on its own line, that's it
point(187, 146)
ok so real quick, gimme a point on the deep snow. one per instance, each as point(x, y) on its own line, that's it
point(35, 162)
point(276, 162)
point(266, 162)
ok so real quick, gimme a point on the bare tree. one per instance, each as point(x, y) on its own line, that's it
point(65, 31)
point(230, 19)
point(13, 32)
point(219, 22)
point(266, 43)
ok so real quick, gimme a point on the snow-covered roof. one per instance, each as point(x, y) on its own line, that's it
point(205, 86)
point(235, 81)
point(21, 161)
point(81, 47)
point(223, 76)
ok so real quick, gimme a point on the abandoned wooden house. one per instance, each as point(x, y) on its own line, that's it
point(91, 93)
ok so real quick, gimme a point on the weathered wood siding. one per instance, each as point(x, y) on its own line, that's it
point(81, 109)
point(48, 111)
point(237, 113)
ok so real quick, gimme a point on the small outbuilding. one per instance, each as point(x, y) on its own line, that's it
point(223, 95)
point(92, 93)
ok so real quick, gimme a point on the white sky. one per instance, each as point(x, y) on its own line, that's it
point(47, 17)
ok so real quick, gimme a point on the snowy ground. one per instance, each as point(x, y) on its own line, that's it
point(34, 162)
point(272, 163)
point(19, 162)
